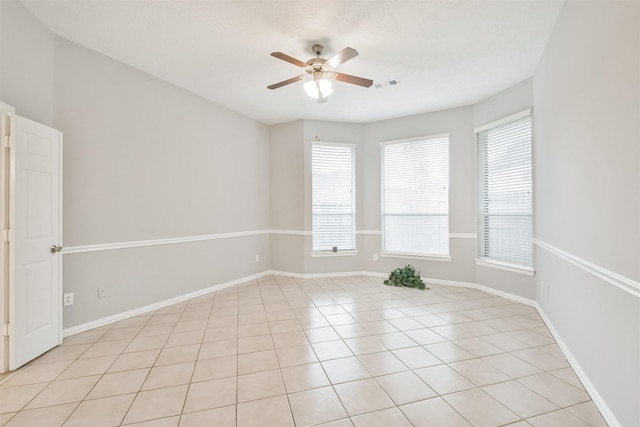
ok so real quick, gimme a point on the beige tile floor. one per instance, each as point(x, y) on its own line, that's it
point(287, 352)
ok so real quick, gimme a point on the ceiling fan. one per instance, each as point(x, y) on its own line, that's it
point(319, 72)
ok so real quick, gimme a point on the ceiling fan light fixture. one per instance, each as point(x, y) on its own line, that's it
point(320, 88)
point(320, 72)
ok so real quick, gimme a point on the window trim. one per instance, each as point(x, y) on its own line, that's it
point(512, 268)
point(418, 257)
point(328, 254)
point(503, 121)
point(406, 255)
point(340, 252)
point(487, 261)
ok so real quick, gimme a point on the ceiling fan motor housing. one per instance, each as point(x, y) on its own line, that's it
point(318, 74)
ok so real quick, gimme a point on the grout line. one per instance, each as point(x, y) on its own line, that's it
point(322, 294)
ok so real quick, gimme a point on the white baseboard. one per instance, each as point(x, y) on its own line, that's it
point(589, 387)
point(325, 275)
point(487, 289)
point(443, 282)
point(155, 306)
point(582, 376)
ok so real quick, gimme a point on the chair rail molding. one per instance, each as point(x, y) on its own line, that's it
point(628, 285)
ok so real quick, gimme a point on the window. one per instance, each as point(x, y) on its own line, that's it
point(415, 196)
point(505, 223)
point(333, 196)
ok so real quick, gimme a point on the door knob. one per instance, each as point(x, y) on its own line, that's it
point(55, 248)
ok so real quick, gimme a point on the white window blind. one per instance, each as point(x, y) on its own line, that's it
point(415, 196)
point(333, 195)
point(505, 222)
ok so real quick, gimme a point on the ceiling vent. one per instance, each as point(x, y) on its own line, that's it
point(387, 83)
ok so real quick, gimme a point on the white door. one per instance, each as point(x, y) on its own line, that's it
point(35, 240)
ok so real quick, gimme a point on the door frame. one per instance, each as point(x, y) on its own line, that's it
point(7, 234)
point(5, 112)
point(12, 350)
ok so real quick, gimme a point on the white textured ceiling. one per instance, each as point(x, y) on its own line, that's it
point(444, 53)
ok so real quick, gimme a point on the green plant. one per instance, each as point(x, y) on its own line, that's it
point(406, 276)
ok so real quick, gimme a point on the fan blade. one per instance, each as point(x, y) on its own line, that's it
point(289, 59)
point(341, 77)
point(285, 82)
point(341, 57)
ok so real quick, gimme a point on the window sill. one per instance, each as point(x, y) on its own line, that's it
point(415, 256)
point(527, 271)
point(320, 254)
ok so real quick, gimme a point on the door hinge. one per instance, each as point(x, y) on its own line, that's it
point(8, 131)
point(5, 236)
point(5, 330)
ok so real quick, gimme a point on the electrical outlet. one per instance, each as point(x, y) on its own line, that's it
point(257, 258)
point(68, 299)
point(101, 293)
point(375, 257)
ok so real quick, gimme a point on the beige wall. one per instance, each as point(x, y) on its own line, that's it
point(286, 161)
point(587, 180)
point(286, 174)
point(512, 100)
point(291, 192)
point(458, 124)
point(26, 63)
point(145, 160)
